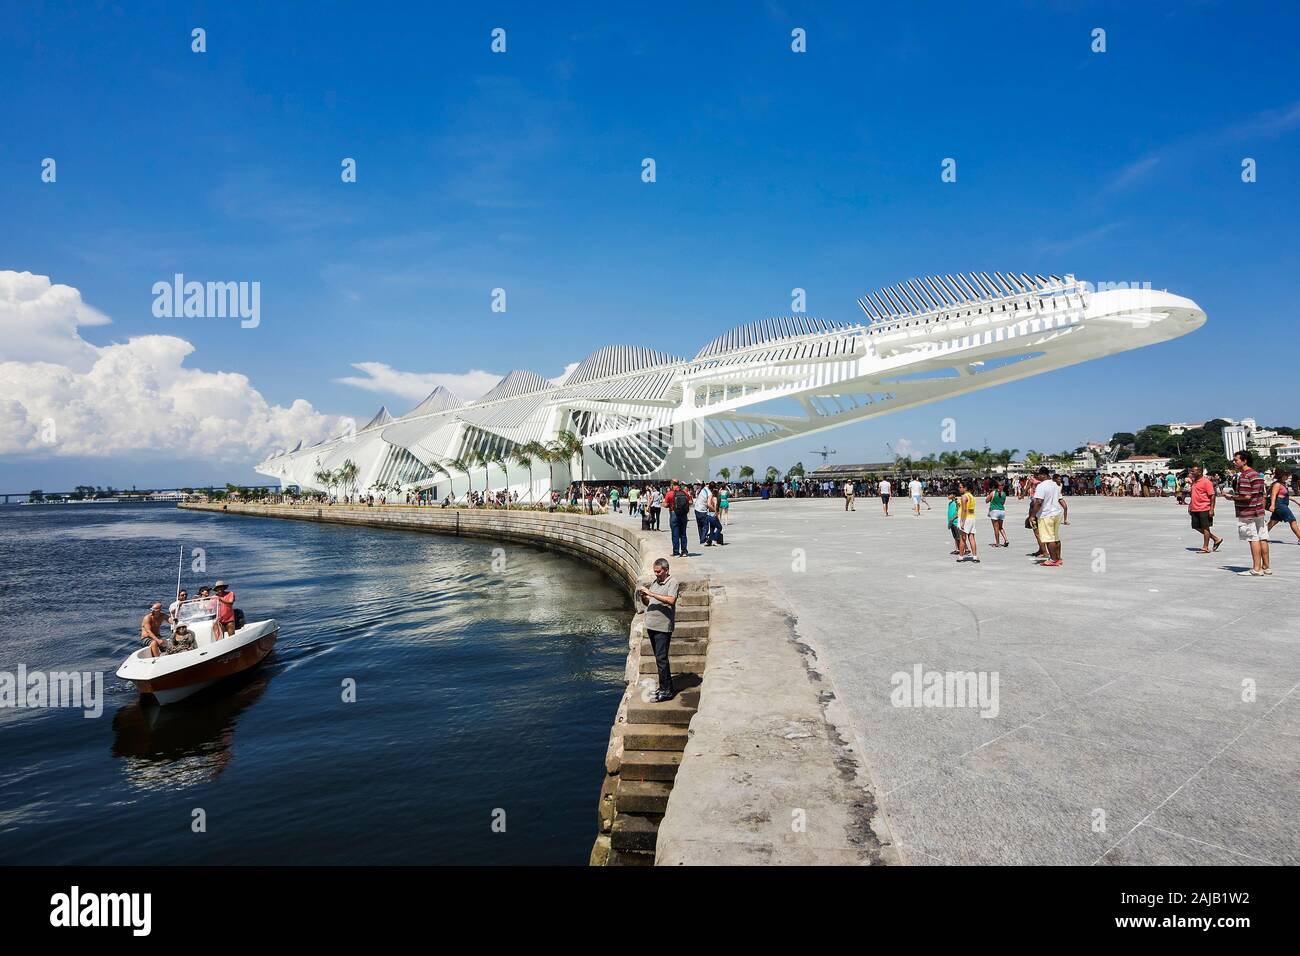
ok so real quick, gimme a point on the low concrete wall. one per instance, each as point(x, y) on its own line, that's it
point(617, 549)
point(748, 764)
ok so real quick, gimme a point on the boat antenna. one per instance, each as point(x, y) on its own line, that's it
point(180, 559)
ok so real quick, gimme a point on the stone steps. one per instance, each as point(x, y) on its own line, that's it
point(677, 711)
point(649, 765)
point(635, 833)
point(643, 796)
point(655, 737)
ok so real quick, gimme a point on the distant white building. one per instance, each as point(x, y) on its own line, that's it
point(1265, 439)
point(1178, 428)
point(1289, 454)
point(1235, 439)
point(1139, 464)
point(1246, 434)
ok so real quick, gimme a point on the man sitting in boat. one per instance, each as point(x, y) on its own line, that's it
point(182, 640)
point(225, 609)
point(151, 630)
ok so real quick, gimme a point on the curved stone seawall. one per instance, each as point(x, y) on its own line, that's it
point(647, 739)
point(751, 751)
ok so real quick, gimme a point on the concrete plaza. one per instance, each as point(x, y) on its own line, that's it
point(1147, 707)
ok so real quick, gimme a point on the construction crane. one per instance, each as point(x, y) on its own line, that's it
point(824, 452)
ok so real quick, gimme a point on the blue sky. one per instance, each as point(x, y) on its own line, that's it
point(775, 170)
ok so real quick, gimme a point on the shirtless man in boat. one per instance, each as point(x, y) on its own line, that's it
point(225, 609)
point(151, 630)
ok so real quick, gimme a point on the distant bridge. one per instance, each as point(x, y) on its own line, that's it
point(119, 494)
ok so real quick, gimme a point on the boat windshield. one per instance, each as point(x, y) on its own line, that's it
point(197, 609)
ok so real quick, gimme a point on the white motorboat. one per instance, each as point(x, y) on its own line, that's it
point(173, 677)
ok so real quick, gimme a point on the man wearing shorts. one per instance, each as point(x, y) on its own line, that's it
point(914, 489)
point(1201, 509)
point(885, 489)
point(1047, 510)
point(1031, 522)
point(1247, 493)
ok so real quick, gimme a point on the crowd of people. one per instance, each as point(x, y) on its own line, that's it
point(217, 602)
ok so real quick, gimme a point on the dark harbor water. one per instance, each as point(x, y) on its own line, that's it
point(482, 695)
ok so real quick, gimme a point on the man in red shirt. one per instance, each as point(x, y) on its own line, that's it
point(1252, 521)
point(225, 608)
point(1201, 509)
point(678, 502)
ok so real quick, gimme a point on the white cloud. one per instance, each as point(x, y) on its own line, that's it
point(564, 376)
point(39, 320)
point(124, 397)
point(387, 380)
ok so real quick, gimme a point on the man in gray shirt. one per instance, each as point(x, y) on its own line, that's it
point(658, 599)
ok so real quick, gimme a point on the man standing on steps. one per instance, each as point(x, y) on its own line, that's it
point(659, 598)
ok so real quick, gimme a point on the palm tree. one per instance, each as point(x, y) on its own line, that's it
point(724, 474)
point(462, 465)
point(480, 458)
point(950, 460)
point(499, 459)
point(552, 455)
point(772, 474)
point(570, 445)
point(437, 469)
point(746, 472)
point(523, 455)
point(350, 473)
point(324, 477)
point(1033, 459)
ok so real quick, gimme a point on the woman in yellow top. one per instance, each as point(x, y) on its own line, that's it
point(966, 522)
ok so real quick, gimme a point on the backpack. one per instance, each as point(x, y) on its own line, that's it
point(681, 503)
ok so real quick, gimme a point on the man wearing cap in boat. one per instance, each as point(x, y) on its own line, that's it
point(151, 629)
point(225, 609)
point(182, 640)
